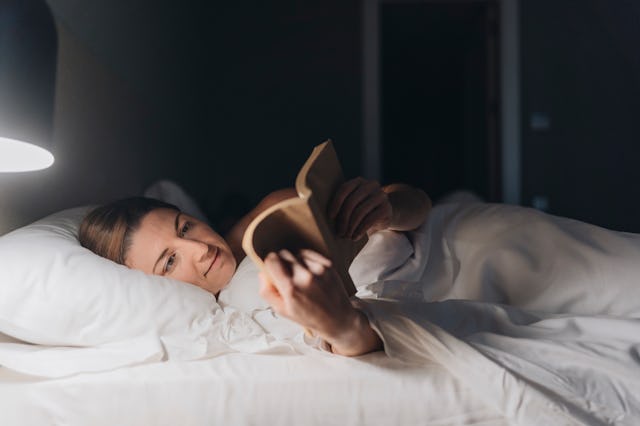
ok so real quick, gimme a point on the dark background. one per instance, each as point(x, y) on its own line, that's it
point(239, 93)
point(580, 62)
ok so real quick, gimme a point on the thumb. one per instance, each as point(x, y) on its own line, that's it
point(269, 292)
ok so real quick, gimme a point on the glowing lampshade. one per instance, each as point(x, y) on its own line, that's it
point(28, 57)
point(16, 156)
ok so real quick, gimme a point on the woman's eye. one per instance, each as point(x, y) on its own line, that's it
point(185, 228)
point(170, 262)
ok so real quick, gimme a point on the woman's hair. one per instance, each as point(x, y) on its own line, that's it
point(107, 230)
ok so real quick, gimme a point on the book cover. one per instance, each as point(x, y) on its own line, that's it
point(303, 222)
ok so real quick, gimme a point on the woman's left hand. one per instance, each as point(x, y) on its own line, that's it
point(360, 206)
point(308, 290)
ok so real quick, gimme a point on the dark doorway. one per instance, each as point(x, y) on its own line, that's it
point(439, 96)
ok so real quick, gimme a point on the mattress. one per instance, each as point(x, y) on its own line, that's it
point(247, 389)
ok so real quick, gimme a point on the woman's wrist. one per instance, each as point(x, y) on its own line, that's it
point(356, 337)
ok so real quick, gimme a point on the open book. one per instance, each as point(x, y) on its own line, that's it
point(303, 222)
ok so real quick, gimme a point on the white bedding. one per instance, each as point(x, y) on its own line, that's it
point(564, 351)
point(245, 389)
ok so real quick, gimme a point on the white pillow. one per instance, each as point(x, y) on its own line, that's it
point(53, 291)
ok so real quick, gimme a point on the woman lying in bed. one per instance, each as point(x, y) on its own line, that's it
point(157, 238)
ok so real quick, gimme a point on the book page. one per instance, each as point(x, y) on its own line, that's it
point(317, 182)
point(303, 222)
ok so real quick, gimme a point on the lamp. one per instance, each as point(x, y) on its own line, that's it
point(28, 51)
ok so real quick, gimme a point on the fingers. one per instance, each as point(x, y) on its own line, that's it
point(341, 194)
point(380, 216)
point(305, 289)
point(289, 272)
point(367, 214)
point(280, 274)
point(269, 292)
point(353, 201)
point(299, 272)
point(314, 255)
point(308, 262)
point(315, 266)
point(358, 196)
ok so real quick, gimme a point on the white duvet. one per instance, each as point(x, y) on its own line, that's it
point(538, 315)
point(550, 330)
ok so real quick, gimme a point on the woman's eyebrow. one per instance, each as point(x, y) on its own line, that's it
point(176, 225)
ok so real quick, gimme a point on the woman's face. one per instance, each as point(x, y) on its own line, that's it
point(176, 245)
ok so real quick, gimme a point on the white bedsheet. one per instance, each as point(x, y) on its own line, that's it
point(243, 389)
point(568, 370)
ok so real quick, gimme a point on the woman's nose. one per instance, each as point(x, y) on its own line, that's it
point(200, 251)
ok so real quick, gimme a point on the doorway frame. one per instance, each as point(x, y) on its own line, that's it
point(509, 69)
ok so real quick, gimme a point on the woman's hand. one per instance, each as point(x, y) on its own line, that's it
point(307, 290)
point(360, 206)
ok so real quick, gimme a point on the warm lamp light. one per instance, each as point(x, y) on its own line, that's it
point(28, 56)
point(17, 156)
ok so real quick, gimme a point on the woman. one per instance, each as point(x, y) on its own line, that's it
point(157, 238)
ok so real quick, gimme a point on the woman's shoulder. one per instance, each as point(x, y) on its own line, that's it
point(235, 234)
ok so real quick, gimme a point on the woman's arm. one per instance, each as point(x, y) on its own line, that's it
point(358, 206)
point(357, 338)
point(235, 234)
point(307, 290)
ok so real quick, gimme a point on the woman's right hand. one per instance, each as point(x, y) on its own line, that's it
point(308, 290)
point(360, 207)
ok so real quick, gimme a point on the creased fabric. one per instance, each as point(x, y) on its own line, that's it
point(538, 314)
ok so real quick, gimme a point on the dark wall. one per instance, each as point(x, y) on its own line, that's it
point(581, 73)
point(283, 77)
point(239, 93)
point(155, 47)
point(433, 96)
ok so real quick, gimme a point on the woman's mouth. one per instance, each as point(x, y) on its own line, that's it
point(213, 261)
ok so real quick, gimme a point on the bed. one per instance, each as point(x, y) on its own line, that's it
point(489, 314)
point(241, 389)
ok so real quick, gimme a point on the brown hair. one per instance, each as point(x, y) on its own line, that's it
point(107, 230)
